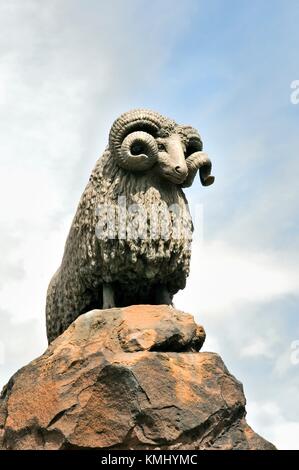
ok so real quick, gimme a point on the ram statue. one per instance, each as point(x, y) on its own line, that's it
point(130, 240)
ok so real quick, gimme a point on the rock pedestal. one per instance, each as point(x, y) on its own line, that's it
point(127, 378)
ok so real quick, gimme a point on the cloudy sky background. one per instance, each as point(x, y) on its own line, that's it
point(68, 68)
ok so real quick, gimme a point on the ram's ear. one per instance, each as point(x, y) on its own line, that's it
point(198, 161)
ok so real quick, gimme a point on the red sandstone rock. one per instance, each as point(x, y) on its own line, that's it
point(129, 378)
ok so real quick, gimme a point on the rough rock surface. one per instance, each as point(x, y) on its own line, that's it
point(129, 378)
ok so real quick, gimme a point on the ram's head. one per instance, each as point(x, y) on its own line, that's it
point(141, 140)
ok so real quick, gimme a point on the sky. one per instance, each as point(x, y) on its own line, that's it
point(68, 68)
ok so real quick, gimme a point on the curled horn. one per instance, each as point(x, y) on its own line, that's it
point(132, 139)
point(196, 160)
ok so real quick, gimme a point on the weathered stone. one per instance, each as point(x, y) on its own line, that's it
point(130, 239)
point(128, 378)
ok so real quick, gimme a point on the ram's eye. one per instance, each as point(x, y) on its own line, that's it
point(161, 147)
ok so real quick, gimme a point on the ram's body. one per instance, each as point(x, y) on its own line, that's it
point(137, 269)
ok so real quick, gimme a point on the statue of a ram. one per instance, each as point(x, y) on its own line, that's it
point(148, 161)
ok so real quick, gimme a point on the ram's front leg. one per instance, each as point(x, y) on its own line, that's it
point(108, 296)
point(163, 296)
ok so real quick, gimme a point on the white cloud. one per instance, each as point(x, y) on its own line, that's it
point(2, 353)
point(20, 342)
point(267, 419)
point(224, 278)
point(267, 344)
point(259, 347)
point(211, 344)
